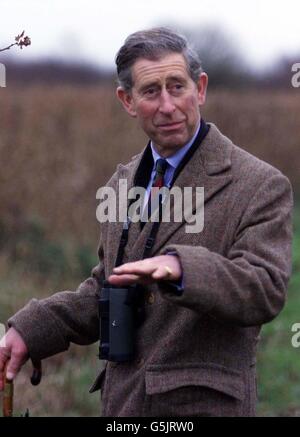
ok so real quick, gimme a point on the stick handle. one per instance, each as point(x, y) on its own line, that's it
point(8, 396)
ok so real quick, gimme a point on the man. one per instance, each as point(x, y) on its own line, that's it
point(205, 294)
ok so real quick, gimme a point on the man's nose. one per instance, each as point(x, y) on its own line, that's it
point(166, 104)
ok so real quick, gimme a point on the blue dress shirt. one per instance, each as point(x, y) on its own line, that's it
point(173, 161)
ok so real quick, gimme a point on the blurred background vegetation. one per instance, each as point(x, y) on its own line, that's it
point(62, 133)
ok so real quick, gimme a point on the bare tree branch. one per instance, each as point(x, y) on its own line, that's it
point(21, 41)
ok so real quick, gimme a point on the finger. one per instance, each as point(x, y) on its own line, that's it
point(144, 263)
point(161, 273)
point(4, 357)
point(123, 279)
point(138, 268)
point(127, 266)
point(14, 365)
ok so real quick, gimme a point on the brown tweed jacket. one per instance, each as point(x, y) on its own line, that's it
point(195, 352)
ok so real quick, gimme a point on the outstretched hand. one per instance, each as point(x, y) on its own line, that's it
point(147, 271)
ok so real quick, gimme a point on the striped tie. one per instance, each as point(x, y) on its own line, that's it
point(158, 182)
point(160, 168)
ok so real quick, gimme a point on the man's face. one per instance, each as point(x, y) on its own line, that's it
point(165, 100)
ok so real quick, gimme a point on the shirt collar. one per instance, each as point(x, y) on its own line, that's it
point(175, 159)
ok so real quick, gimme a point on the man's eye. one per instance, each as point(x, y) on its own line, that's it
point(150, 91)
point(178, 86)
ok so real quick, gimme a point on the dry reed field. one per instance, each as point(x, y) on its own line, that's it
point(58, 145)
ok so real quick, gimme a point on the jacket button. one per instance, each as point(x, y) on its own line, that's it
point(151, 298)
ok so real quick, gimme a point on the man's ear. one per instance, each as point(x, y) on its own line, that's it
point(126, 99)
point(202, 87)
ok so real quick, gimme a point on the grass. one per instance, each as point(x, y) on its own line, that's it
point(66, 377)
point(63, 391)
point(278, 360)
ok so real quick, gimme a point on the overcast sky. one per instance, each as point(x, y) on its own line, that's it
point(93, 30)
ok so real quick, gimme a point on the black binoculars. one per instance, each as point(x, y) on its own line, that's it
point(120, 311)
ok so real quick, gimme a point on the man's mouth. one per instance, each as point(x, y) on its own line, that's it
point(170, 126)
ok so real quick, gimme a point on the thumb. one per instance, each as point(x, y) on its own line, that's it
point(160, 273)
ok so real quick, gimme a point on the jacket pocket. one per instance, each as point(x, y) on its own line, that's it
point(99, 381)
point(201, 389)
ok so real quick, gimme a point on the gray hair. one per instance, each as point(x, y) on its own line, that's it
point(152, 44)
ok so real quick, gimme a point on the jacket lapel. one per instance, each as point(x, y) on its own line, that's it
point(210, 168)
point(114, 230)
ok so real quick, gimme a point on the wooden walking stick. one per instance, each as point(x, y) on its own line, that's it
point(8, 391)
point(8, 386)
point(8, 396)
